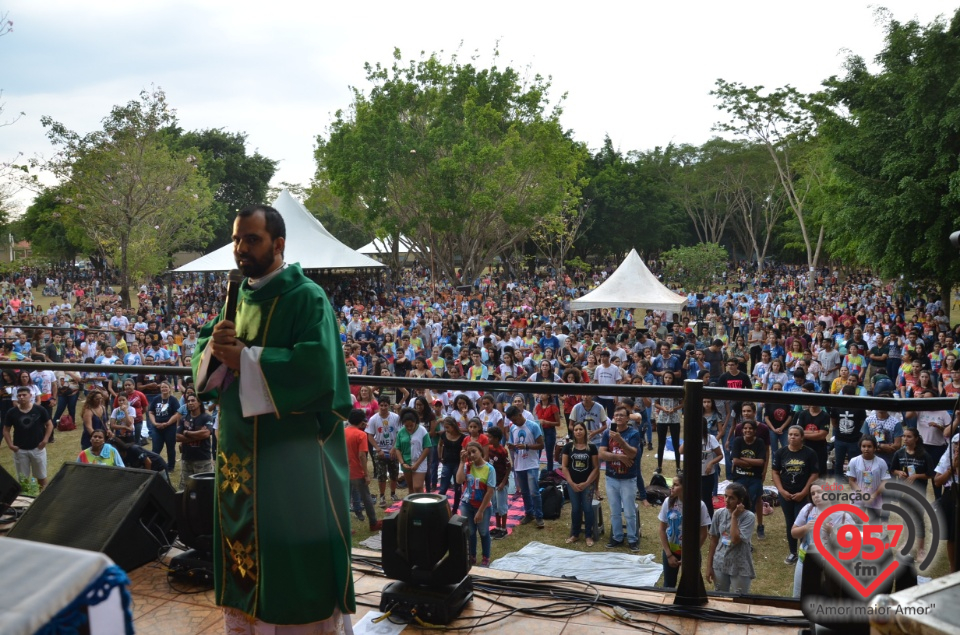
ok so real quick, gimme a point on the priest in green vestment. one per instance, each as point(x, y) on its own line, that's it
point(281, 518)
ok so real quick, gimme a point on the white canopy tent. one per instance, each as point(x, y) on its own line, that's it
point(631, 286)
point(308, 243)
point(385, 246)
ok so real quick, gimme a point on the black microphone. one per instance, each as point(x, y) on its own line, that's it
point(234, 280)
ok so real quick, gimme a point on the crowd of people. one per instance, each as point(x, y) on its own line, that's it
point(849, 334)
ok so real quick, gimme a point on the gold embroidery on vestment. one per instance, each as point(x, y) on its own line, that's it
point(235, 473)
point(243, 562)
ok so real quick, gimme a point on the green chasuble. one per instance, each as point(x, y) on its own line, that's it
point(281, 525)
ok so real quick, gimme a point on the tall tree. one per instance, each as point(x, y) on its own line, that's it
point(895, 144)
point(136, 200)
point(628, 193)
point(236, 179)
point(45, 224)
point(783, 122)
point(757, 199)
point(697, 177)
point(461, 160)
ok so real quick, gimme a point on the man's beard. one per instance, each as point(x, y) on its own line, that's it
point(254, 267)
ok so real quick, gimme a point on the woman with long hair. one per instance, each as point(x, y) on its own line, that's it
point(730, 561)
point(428, 418)
point(94, 417)
point(711, 457)
point(412, 449)
point(803, 526)
point(668, 421)
point(479, 482)
point(581, 468)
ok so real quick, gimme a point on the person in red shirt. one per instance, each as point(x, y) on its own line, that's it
point(136, 399)
point(548, 414)
point(357, 450)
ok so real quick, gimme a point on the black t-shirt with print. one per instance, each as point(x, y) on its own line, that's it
point(579, 462)
point(795, 468)
point(849, 423)
point(744, 450)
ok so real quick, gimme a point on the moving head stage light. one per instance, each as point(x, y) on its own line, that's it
point(425, 551)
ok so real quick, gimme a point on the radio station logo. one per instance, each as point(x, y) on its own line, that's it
point(866, 554)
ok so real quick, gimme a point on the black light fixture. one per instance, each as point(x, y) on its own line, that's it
point(424, 549)
point(195, 530)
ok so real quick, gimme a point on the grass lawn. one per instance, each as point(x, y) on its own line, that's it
point(773, 576)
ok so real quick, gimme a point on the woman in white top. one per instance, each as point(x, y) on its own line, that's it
point(866, 474)
point(802, 528)
point(489, 415)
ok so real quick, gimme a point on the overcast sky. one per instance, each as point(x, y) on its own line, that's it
point(640, 72)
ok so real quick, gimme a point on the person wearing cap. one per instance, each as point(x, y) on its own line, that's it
point(357, 450)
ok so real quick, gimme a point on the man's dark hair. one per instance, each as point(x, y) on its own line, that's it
point(271, 217)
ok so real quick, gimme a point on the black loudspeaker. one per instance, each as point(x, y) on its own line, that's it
point(125, 513)
point(9, 490)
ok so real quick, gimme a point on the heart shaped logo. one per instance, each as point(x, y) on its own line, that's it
point(886, 569)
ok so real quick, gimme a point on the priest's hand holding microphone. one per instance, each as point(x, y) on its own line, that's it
point(225, 346)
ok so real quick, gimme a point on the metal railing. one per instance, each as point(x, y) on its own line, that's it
point(690, 590)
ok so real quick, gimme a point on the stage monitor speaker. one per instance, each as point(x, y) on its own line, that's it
point(9, 490)
point(125, 513)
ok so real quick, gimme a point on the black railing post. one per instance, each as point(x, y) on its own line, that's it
point(690, 588)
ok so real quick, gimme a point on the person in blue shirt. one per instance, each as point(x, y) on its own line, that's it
point(618, 448)
point(549, 340)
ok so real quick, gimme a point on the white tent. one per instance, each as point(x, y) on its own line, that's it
point(631, 286)
point(308, 243)
point(381, 247)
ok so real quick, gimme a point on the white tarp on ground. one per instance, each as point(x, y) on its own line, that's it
point(308, 243)
point(589, 566)
point(631, 286)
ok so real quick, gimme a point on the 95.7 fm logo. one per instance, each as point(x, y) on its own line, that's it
point(864, 554)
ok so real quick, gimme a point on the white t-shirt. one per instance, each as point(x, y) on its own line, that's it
point(490, 419)
point(869, 475)
point(607, 375)
point(384, 432)
point(528, 433)
point(707, 454)
point(594, 418)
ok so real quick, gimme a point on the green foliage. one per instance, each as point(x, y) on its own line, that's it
point(894, 144)
point(136, 200)
point(45, 224)
point(462, 160)
point(325, 206)
point(694, 267)
point(578, 264)
point(782, 120)
point(235, 178)
point(630, 205)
